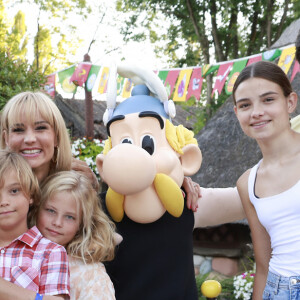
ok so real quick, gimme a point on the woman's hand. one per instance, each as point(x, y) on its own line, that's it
point(81, 166)
point(193, 192)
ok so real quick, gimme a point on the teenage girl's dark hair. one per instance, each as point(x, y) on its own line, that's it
point(265, 70)
point(297, 44)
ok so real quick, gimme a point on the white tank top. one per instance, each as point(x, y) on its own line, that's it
point(280, 215)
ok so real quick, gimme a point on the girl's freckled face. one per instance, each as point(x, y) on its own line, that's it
point(59, 219)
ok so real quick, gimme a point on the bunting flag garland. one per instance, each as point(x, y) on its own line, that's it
point(128, 84)
point(49, 86)
point(81, 73)
point(205, 68)
point(90, 82)
point(271, 54)
point(120, 84)
point(64, 77)
point(182, 85)
point(254, 59)
point(103, 80)
point(296, 69)
point(195, 84)
point(238, 66)
point(171, 81)
point(286, 58)
point(223, 72)
point(163, 75)
point(208, 69)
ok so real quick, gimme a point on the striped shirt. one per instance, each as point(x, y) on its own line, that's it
point(35, 263)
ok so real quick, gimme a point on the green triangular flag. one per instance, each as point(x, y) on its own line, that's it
point(271, 54)
point(238, 66)
point(64, 79)
point(90, 82)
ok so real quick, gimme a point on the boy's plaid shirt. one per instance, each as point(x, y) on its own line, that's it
point(35, 263)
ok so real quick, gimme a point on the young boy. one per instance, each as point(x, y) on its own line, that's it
point(27, 259)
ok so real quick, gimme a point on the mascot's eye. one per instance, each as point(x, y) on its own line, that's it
point(148, 144)
point(127, 140)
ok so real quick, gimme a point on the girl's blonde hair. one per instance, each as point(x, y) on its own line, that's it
point(94, 240)
point(29, 105)
point(29, 184)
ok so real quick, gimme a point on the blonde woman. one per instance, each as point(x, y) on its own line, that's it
point(32, 125)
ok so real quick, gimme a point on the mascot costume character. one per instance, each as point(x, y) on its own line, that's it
point(144, 163)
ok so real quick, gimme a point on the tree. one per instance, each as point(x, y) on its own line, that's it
point(207, 31)
point(53, 39)
point(3, 25)
point(16, 74)
point(42, 51)
point(15, 77)
point(17, 39)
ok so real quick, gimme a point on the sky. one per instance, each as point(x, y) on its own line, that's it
point(107, 36)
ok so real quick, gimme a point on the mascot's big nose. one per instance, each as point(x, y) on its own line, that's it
point(128, 169)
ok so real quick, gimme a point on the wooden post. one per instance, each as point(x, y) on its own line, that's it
point(89, 110)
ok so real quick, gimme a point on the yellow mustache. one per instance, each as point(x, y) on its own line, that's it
point(167, 190)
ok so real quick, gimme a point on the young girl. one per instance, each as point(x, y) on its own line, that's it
point(27, 259)
point(270, 191)
point(70, 215)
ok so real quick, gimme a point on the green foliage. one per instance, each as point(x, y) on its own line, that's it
point(60, 8)
point(198, 113)
point(15, 77)
point(17, 39)
point(216, 103)
point(227, 289)
point(43, 50)
point(51, 47)
point(87, 151)
point(195, 33)
point(236, 30)
point(3, 25)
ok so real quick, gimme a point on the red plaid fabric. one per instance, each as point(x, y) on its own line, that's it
point(35, 263)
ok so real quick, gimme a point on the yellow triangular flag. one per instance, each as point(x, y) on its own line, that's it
point(127, 88)
point(182, 85)
point(103, 80)
point(286, 58)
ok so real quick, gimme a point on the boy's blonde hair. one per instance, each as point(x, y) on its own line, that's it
point(29, 105)
point(94, 239)
point(29, 184)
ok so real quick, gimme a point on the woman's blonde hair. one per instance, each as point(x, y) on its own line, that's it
point(94, 240)
point(29, 105)
point(29, 184)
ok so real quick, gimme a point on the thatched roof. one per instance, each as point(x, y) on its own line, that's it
point(288, 36)
point(73, 112)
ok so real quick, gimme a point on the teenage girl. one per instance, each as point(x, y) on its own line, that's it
point(270, 191)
